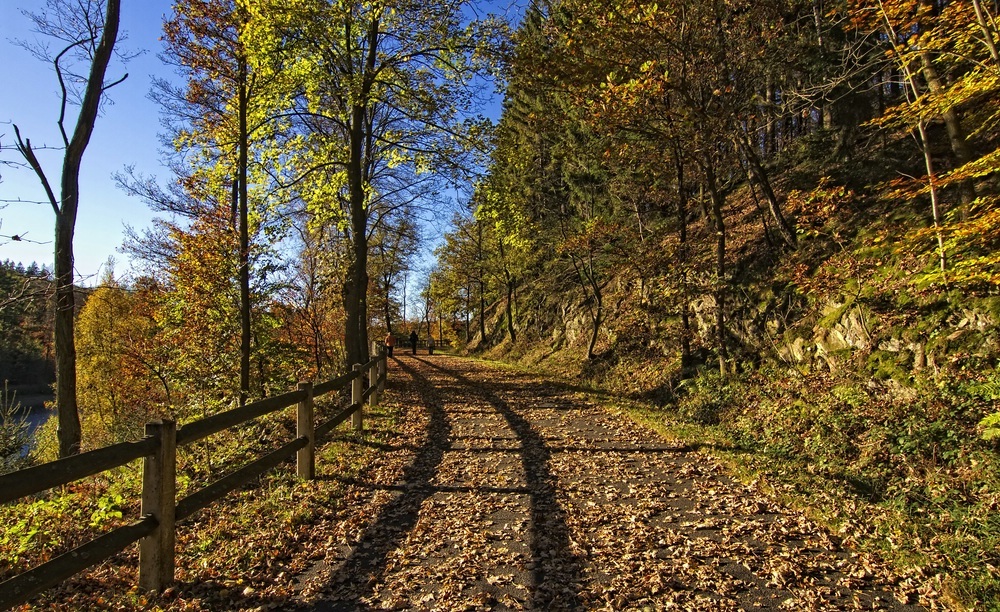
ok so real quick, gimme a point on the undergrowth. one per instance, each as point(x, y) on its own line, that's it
point(913, 453)
point(14, 434)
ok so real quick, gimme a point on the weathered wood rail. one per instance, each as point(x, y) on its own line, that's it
point(160, 510)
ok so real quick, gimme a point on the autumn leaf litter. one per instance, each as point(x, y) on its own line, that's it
point(512, 492)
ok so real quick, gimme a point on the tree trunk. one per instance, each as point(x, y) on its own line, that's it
point(956, 134)
point(718, 200)
point(758, 173)
point(69, 433)
point(510, 309)
point(595, 329)
point(482, 311)
point(683, 257)
point(244, 231)
point(468, 309)
point(509, 286)
point(911, 82)
point(356, 336)
point(481, 257)
point(935, 205)
point(763, 215)
point(598, 316)
point(356, 285)
point(987, 31)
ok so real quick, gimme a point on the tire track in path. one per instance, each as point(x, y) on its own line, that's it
point(512, 492)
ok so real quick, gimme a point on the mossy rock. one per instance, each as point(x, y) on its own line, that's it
point(887, 365)
point(835, 314)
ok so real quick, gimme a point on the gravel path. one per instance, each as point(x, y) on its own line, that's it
point(505, 491)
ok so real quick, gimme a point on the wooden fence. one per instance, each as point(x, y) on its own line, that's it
point(155, 529)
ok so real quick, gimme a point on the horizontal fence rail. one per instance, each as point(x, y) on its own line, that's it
point(337, 384)
point(155, 530)
point(22, 587)
point(207, 426)
point(340, 417)
point(42, 477)
point(204, 497)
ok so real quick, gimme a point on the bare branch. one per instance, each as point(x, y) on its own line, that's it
point(21, 293)
point(24, 148)
point(21, 238)
point(64, 95)
point(118, 82)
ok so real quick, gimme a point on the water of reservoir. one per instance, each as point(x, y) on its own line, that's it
point(33, 407)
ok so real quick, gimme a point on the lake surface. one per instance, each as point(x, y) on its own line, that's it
point(37, 417)
point(33, 408)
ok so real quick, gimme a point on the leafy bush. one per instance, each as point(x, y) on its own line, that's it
point(708, 395)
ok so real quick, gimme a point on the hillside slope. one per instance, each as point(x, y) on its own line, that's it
point(854, 380)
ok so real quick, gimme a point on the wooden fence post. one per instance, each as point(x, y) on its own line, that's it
point(357, 391)
point(305, 426)
point(156, 551)
point(375, 399)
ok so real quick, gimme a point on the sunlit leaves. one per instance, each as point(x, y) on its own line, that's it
point(121, 362)
point(948, 66)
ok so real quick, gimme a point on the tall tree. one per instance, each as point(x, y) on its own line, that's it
point(387, 88)
point(462, 271)
point(224, 115)
point(946, 53)
point(88, 32)
point(313, 319)
point(124, 376)
point(394, 245)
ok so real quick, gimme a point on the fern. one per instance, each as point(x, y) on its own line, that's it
point(988, 390)
point(991, 427)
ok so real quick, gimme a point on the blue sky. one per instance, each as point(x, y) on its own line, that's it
point(126, 134)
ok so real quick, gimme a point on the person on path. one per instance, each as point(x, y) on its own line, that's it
point(390, 341)
point(413, 341)
point(430, 346)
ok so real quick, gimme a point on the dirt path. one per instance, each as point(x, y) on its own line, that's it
point(508, 492)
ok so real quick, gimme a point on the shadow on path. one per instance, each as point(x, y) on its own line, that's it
point(354, 579)
point(556, 573)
